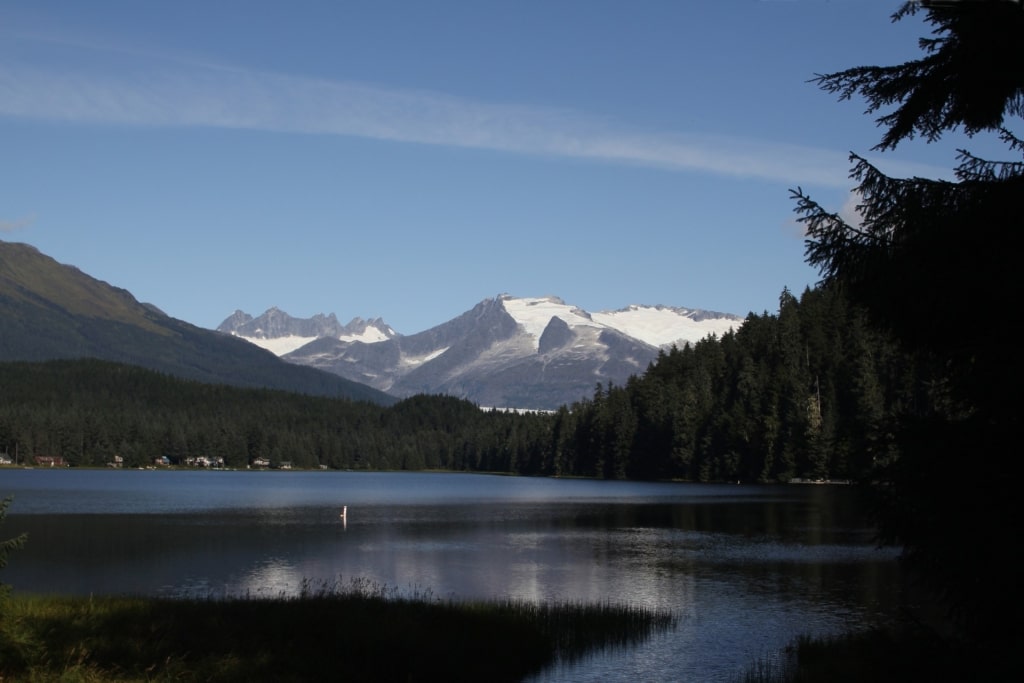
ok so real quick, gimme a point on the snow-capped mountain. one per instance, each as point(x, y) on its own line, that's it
point(511, 352)
point(281, 334)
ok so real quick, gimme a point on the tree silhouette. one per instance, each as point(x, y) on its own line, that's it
point(932, 262)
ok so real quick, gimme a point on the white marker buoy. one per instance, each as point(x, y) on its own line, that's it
point(344, 512)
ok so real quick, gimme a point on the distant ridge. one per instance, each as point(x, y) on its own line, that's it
point(49, 310)
point(280, 333)
point(507, 352)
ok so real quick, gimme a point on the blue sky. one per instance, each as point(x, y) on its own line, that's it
point(406, 160)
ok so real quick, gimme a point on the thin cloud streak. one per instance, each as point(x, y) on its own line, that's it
point(16, 224)
point(186, 95)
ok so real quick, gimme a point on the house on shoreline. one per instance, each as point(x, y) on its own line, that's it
point(201, 461)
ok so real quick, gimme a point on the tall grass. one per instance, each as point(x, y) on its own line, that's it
point(360, 632)
point(575, 628)
point(898, 655)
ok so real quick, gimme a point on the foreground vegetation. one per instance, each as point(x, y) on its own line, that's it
point(885, 656)
point(363, 632)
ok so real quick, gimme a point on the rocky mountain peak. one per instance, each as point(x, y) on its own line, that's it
point(506, 351)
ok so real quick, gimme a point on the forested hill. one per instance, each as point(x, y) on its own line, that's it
point(89, 411)
point(50, 310)
point(803, 393)
point(794, 394)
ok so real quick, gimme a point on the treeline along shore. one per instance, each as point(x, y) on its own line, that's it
point(795, 394)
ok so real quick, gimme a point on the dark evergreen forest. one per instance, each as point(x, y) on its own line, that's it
point(795, 394)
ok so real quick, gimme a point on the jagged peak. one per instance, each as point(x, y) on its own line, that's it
point(330, 318)
point(234, 321)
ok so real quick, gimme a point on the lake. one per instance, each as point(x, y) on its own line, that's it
point(745, 568)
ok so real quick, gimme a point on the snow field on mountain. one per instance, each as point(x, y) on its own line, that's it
point(278, 346)
point(535, 314)
point(655, 325)
point(659, 326)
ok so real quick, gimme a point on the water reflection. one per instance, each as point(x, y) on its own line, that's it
point(270, 577)
point(744, 568)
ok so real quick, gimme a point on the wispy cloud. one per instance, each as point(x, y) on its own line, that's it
point(179, 94)
point(16, 224)
point(849, 211)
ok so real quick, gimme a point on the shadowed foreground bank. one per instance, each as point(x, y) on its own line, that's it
point(367, 633)
point(900, 655)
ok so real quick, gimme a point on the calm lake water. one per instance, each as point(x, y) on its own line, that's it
point(746, 568)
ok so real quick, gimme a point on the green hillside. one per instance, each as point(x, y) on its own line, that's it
point(51, 311)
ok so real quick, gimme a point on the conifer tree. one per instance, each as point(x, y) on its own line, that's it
point(932, 262)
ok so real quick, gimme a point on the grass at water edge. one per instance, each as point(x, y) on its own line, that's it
point(359, 632)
